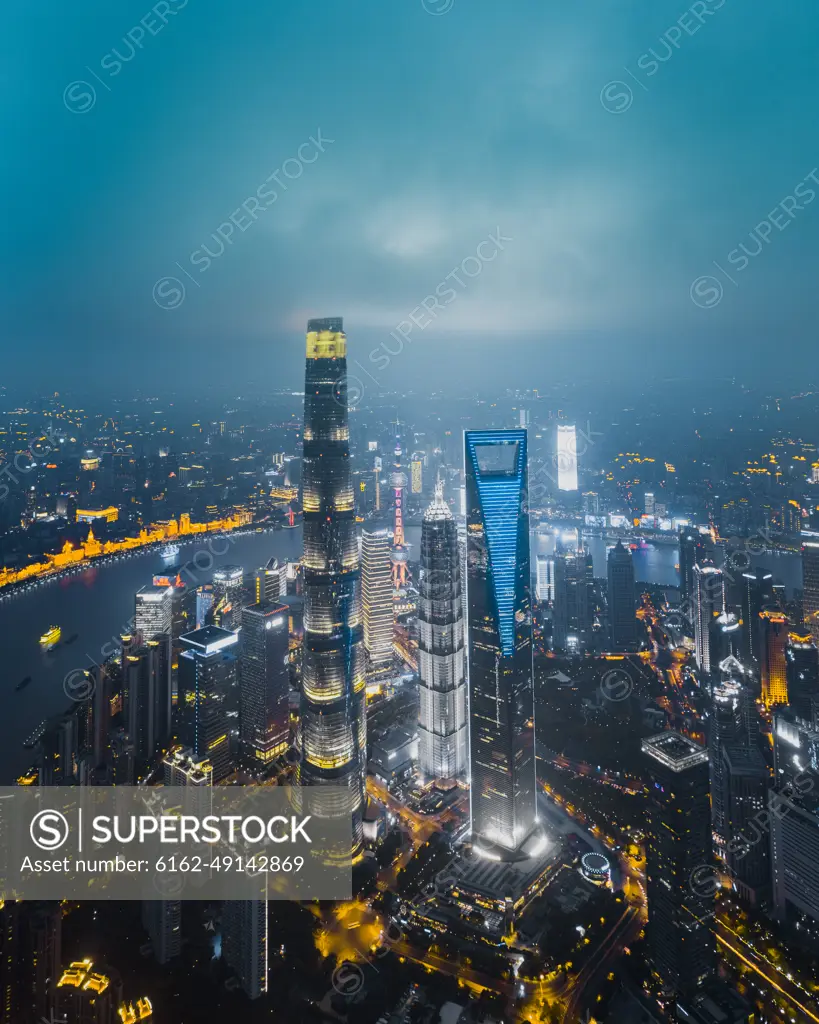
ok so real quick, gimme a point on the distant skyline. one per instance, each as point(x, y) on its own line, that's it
point(651, 174)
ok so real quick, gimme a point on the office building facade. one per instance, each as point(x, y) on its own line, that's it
point(208, 678)
point(264, 688)
point(566, 457)
point(708, 602)
point(377, 600)
point(679, 884)
point(622, 615)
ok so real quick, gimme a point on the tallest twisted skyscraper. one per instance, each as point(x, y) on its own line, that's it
point(333, 718)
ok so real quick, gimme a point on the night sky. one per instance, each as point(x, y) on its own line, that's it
point(622, 148)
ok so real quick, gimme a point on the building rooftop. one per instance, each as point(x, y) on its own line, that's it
point(153, 592)
point(675, 751)
point(209, 639)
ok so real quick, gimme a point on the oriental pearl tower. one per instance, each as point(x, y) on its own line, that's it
point(399, 553)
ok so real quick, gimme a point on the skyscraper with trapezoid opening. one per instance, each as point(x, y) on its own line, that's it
point(501, 695)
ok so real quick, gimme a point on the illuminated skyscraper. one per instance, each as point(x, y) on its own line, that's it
point(442, 683)
point(146, 690)
point(30, 956)
point(679, 888)
point(773, 662)
point(573, 612)
point(264, 689)
point(622, 615)
point(376, 600)
point(153, 611)
point(795, 825)
point(810, 582)
point(208, 695)
point(695, 547)
point(566, 457)
point(501, 699)
point(708, 601)
point(756, 591)
point(227, 596)
point(802, 676)
point(728, 725)
point(333, 722)
point(244, 943)
point(162, 919)
point(417, 476)
point(545, 581)
point(270, 583)
point(400, 554)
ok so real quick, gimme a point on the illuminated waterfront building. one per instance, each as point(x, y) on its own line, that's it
point(773, 661)
point(92, 515)
point(154, 611)
point(377, 600)
point(264, 690)
point(244, 943)
point(442, 682)
point(679, 890)
point(708, 601)
point(566, 457)
point(333, 721)
point(207, 695)
point(810, 583)
point(501, 700)
point(802, 676)
point(227, 596)
point(622, 615)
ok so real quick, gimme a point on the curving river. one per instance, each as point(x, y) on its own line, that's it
point(98, 603)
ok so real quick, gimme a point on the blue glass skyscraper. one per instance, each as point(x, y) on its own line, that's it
point(501, 696)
